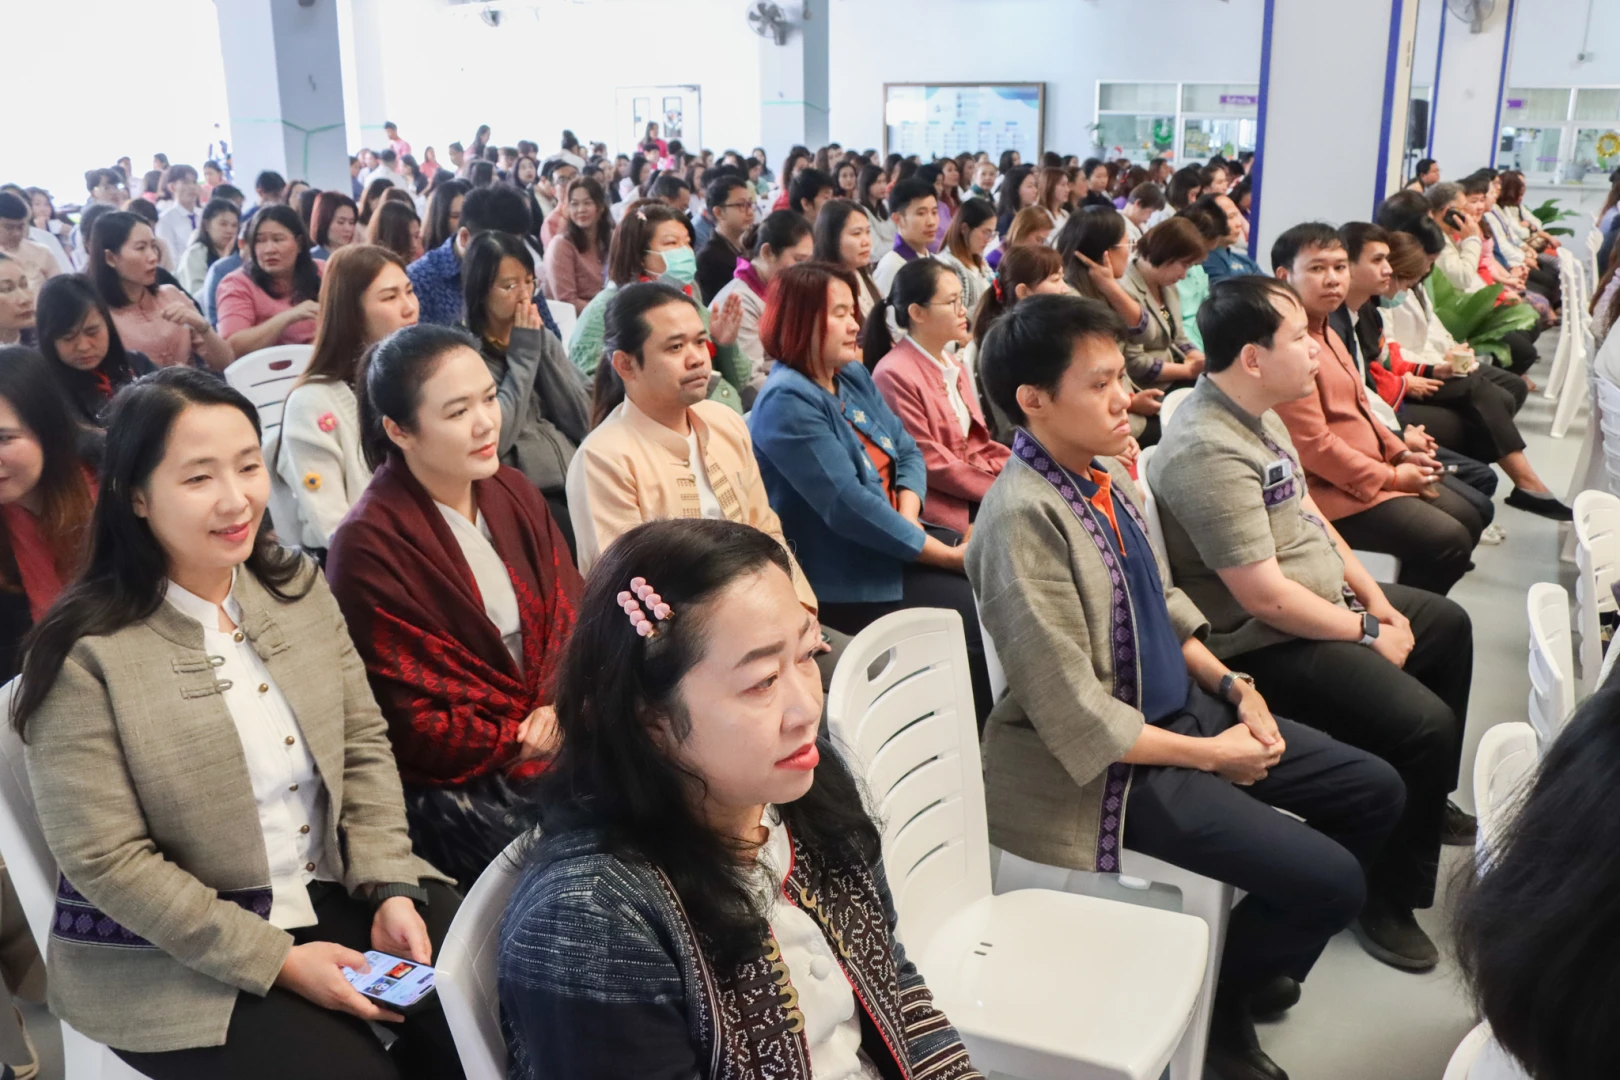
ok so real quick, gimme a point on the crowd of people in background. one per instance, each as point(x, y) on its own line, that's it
point(597, 464)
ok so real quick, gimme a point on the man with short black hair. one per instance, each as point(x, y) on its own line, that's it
point(1145, 200)
point(386, 170)
point(1386, 669)
point(810, 191)
point(436, 276)
point(914, 209)
point(355, 186)
point(673, 191)
point(36, 259)
point(731, 206)
point(180, 211)
point(458, 157)
point(398, 145)
point(555, 176)
point(1119, 727)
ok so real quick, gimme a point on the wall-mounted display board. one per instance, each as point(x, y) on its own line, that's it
point(944, 119)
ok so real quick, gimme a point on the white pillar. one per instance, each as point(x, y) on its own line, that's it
point(1330, 134)
point(1470, 81)
point(793, 82)
point(362, 27)
point(284, 86)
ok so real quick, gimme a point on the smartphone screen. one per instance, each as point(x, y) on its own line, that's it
point(391, 980)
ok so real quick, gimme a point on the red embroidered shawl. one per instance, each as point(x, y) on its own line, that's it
point(448, 688)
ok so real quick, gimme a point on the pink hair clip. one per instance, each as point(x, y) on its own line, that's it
point(632, 605)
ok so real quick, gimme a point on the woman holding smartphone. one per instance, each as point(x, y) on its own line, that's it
point(214, 778)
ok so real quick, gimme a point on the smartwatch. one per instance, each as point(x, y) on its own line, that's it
point(1229, 682)
point(1369, 628)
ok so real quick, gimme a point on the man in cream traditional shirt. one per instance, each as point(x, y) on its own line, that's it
point(665, 451)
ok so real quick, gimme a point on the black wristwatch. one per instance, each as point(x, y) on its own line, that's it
point(1369, 628)
point(1229, 682)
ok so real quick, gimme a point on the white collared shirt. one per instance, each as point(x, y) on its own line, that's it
point(286, 785)
point(953, 391)
point(491, 576)
point(708, 503)
point(176, 225)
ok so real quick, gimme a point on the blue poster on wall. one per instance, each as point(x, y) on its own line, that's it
point(946, 119)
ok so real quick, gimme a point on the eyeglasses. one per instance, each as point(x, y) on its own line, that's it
point(736, 205)
point(953, 303)
point(507, 287)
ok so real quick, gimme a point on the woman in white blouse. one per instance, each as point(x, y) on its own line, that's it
point(214, 778)
point(315, 457)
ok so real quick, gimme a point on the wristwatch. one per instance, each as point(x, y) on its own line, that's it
point(1369, 628)
point(1229, 682)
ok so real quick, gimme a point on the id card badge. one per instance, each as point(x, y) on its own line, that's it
point(1278, 471)
point(1278, 485)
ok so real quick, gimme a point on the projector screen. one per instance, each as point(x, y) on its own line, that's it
point(945, 119)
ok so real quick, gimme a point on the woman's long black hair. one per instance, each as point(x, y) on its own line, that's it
point(306, 279)
point(126, 573)
point(1535, 934)
point(64, 303)
point(611, 775)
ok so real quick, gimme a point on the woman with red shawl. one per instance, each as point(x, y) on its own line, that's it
point(459, 594)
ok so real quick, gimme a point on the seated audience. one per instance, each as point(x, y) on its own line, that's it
point(810, 191)
point(35, 258)
point(443, 217)
point(47, 496)
point(214, 239)
point(437, 274)
point(146, 211)
point(458, 592)
point(874, 196)
point(16, 303)
point(157, 319)
point(1120, 727)
point(1028, 270)
point(247, 835)
point(1466, 412)
point(926, 387)
point(575, 256)
point(397, 228)
point(317, 468)
point(732, 209)
point(970, 233)
point(694, 790)
point(943, 175)
point(181, 212)
point(844, 237)
point(1052, 187)
point(654, 243)
point(1020, 190)
point(1380, 494)
point(1160, 353)
point(376, 193)
point(782, 240)
point(336, 220)
point(545, 409)
point(1532, 930)
point(1141, 204)
point(843, 475)
point(1193, 288)
point(1228, 257)
point(1425, 175)
point(273, 298)
point(87, 357)
point(1385, 669)
point(914, 210)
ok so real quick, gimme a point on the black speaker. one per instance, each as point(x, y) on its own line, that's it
point(1417, 125)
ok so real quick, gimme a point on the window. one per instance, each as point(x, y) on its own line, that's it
point(1184, 122)
point(1561, 134)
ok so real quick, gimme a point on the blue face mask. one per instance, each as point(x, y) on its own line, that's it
point(680, 266)
point(1394, 301)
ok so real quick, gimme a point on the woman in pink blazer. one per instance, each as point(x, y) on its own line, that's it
point(931, 393)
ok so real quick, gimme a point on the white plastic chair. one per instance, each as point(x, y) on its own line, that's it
point(1503, 764)
point(1202, 897)
point(33, 873)
point(1384, 568)
point(1150, 505)
point(1569, 286)
point(1552, 667)
point(1480, 1057)
point(1039, 984)
point(1172, 402)
point(465, 974)
point(1572, 387)
point(266, 376)
point(565, 315)
point(1597, 566)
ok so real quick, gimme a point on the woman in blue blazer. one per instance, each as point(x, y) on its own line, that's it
point(843, 475)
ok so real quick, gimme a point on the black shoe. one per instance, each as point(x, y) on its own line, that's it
point(1234, 1050)
point(1271, 1001)
point(1545, 505)
point(1459, 828)
point(1391, 934)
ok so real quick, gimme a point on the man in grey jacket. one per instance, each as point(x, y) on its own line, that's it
point(1119, 726)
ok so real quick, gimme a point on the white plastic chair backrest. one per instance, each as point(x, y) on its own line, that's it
point(901, 707)
point(1503, 764)
point(1384, 567)
point(1172, 402)
point(266, 377)
point(1150, 505)
point(992, 663)
point(565, 315)
point(1552, 675)
point(465, 973)
point(1597, 565)
point(22, 841)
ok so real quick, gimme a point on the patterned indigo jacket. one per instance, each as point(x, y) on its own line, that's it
point(602, 975)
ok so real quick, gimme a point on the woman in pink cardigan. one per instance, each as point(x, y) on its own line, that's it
point(576, 253)
point(931, 393)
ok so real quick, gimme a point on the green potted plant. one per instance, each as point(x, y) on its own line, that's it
point(1477, 319)
point(1549, 214)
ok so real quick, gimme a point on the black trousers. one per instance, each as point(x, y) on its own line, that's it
point(1412, 717)
point(926, 586)
point(1474, 481)
point(1433, 538)
point(283, 1035)
point(1521, 350)
point(1472, 415)
point(1305, 880)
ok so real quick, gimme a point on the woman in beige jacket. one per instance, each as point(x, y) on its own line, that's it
point(215, 780)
